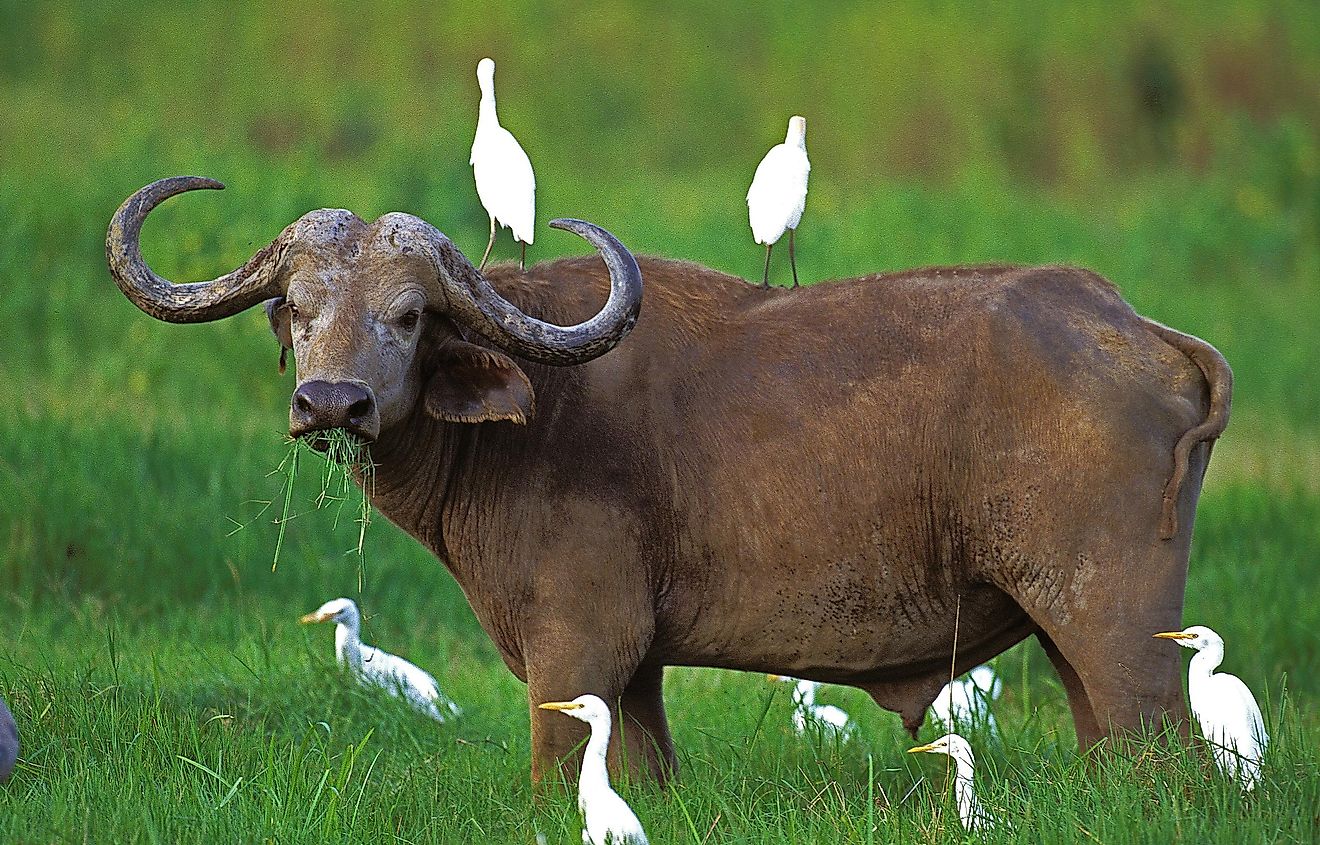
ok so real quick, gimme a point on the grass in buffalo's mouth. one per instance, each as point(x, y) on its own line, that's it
point(347, 465)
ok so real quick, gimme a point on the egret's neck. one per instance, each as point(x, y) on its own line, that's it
point(595, 776)
point(487, 116)
point(964, 792)
point(797, 136)
point(348, 646)
point(1205, 661)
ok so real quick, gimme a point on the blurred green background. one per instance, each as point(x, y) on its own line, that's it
point(1173, 147)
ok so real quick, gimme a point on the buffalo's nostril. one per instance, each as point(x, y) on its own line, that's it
point(302, 402)
point(360, 408)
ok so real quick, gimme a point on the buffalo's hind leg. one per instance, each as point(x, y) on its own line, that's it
point(647, 746)
point(1100, 642)
point(1088, 729)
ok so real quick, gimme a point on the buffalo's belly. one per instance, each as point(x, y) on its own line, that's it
point(844, 629)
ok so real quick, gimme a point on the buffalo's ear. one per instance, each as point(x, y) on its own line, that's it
point(472, 384)
point(281, 323)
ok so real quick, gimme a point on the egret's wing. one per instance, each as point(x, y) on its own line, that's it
point(836, 716)
point(372, 661)
point(1241, 716)
point(1255, 721)
point(1231, 722)
point(1228, 710)
point(621, 822)
point(955, 703)
point(940, 706)
point(778, 193)
point(378, 669)
point(506, 183)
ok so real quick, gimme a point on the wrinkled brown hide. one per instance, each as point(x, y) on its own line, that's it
point(809, 482)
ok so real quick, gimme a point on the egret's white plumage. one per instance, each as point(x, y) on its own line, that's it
point(974, 817)
point(779, 193)
point(807, 714)
point(606, 818)
point(966, 701)
point(506, 184)
point(375, 668)
point(1226, 710)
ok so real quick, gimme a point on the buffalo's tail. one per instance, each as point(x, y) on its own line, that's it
point(1219, 377)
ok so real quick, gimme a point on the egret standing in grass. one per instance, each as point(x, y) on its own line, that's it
point(806, 712)
point(973, 816)
point(779, 193)
point(375, 668)
point(505, 182)
point(1226, 710)
point(966, 701)
point(8, 741)
point(606, 818)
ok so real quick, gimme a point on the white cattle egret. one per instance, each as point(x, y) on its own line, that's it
point(966, 701)
point(1226, 710)
point(505, 182)
point(779, 193)
point(8, 742)
point(807, 713)
point(375, 668)
point(973, 816)
point(606, 818)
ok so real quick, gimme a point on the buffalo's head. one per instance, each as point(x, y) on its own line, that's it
point(355, 300)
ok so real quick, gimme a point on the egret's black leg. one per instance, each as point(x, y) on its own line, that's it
point(489, 244)
point(765, 274)
point(792, 261)
point(522, 258)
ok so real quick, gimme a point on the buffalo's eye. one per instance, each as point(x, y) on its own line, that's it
point(293, 310)
point(408, 321)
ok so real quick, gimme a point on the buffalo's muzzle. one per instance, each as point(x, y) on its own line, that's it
point(323, 405)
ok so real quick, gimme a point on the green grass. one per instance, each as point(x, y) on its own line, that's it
point(347, 474)
point(152, 656)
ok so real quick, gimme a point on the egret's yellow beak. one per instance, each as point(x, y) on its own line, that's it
point(774, 677)
point(927, 747)
point(560, 705)
point(314, 617)
point(1174, 635)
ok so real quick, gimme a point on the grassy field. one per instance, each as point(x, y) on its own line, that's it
point(152, 656)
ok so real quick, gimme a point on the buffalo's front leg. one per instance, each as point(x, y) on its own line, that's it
point(562, 667)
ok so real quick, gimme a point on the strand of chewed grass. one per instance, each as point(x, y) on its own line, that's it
point(347, 465)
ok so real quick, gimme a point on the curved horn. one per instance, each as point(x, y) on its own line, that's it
point(470, 299)
point(197, 302)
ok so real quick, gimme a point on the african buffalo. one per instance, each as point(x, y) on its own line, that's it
point(812, 482)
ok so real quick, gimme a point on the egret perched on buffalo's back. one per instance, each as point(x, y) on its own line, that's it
point(505, 182)
point(375, 668)
point(1226, 710)
point(779, 193)
point(973, 816)
point(606, 818)
point(966, 701)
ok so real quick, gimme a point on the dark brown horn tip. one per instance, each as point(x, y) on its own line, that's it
point(135, 209)
point(171, 185)
point(574, 225)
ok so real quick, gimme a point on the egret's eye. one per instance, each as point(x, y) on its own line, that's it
point(408, 321)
